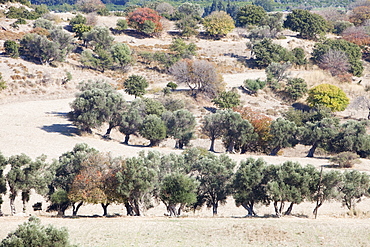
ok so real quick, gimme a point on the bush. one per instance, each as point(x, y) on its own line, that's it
point(121, 24)
point(336, 62)
point(33, 234)
point(329, 96)
point(43, 23)
point(11, 48)
point(296, 88)
point(145, 20)
point(254, 85)
point(218, 23)
point(345, 159)
point(227, 100)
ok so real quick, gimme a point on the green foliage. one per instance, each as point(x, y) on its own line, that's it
point(218, 24)
point(171, 85)
point(299, 56)
point(21, 12)
point(267, 5)
point(99, 38)
point(33, 234)
point(340, 26)
point(182, 49)
point(148, 27)
point(277, 72)
point(78, 19)
point(329, 96)
point(295, 88)
point(308, 25)
point(284, 134)
point(121, 24)
point(135, 85)
point(3, 188)
point(249, 184)
point(100, 60)
point(345, 159)
point(80, 30)
point(227, 100)
point(176, 189)
point(11, 48)
point(180, 125)
point(355, 185)
point(132, 119)
point(153, 129)
point(254, 85)
point(213, 126)
point(188, 26)
point(266, 52)
point(250, 15)
point(352, 51)
point(43, 23)
point(121, 55)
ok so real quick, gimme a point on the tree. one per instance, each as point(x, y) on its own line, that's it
point(135, 85)
point(89, 6)
point(80, 30)
point(355, 185)
point(308, 25)
point(100, 60)
point(199, 75)
point(218, 24)
point(121, 24)
point(78, 19)
point(215, 177)
point(3, 189)
point(249, 185)
point(188, 26)
point(356, 35)
point(33, 234)
point(359, 15)
point(99, 38)
point(266, 52)
point(319, 134)
point(136, 181)
point(352, 51)
point(295, 88)
point(11, 48)
point(190, 9)
point(90, 186)
point(267, 5)
point(97, 103)
point(23, 176)
point(66, 168)
point(177, 189)
point(250, 15)
point(335, 61)
point(329, 96)
point(283, 134)
point(227, 100)
point(140, 18)
point(254, 85)
point(180, 125)
point(238, 132)
point(213, 127)
point(153, 129)
point(121, 55)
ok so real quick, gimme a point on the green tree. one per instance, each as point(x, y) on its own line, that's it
point(132, 119)
point(153, 129)
point(213, 127)
point(3, 189)
point(329, 96)
point(135, 85)
point(11, 48)
point(121, 55)
point(308, 25)
point(78, 19)
point(250, 15)
point(218, 24)
point(100, 60)
point(33, 234)
point(266, 52)
point(188, 25)
point(227, 100)
point(99, 38)
point(177, 189)
point(249, 185)
point(80, 30)
point(180, 125)
point(65, 169)
point(267, 5)
point(352, 51)
point(295, 88)
point(355, 185)
point(284, 134)
point(319, 134)
point(254, 85)
point(121, 24)
point(215, 177)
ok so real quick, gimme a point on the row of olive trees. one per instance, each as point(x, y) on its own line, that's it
point(181, 181)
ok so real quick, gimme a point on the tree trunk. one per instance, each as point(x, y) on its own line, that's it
point(1, 212)
point(105, 208)
point(25, 199)
point(315, 211)
point(214, 208)
point(181, 144)
point(230, 148)
point(172, 210)
point(154, 143)
point(312, 150)
point(278, 210)
point(136, 208)
point(129, 209)
point(249, 208)
point(289, 210)
point(12, 206)
point(212, 147)
point(107, 134)
point(275, 151)
point(76, 208)
point(127, 138)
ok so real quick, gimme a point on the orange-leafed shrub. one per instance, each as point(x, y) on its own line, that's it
point(356, 35)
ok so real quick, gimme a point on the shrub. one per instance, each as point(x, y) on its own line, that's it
point(250, 15)
point(254, 85)
point(296, 88)
point(227, 100)
point(43, 23)
point(11, 48)
point(340, 26)
point(145, 20)
point(219, 23)
point(266, 52)
point(336, 62)
point(121, 24)
point(345, 159)
point(329, 96)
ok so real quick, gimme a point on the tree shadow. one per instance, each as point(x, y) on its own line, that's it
point(135, 34)
point(64, 129)
point(59, 114)
point(210, 109)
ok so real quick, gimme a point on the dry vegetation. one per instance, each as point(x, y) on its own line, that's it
point(32, 118)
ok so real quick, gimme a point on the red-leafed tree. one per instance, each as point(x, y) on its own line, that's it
point(145, 20)
point(356, 35)
point(261, 124)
